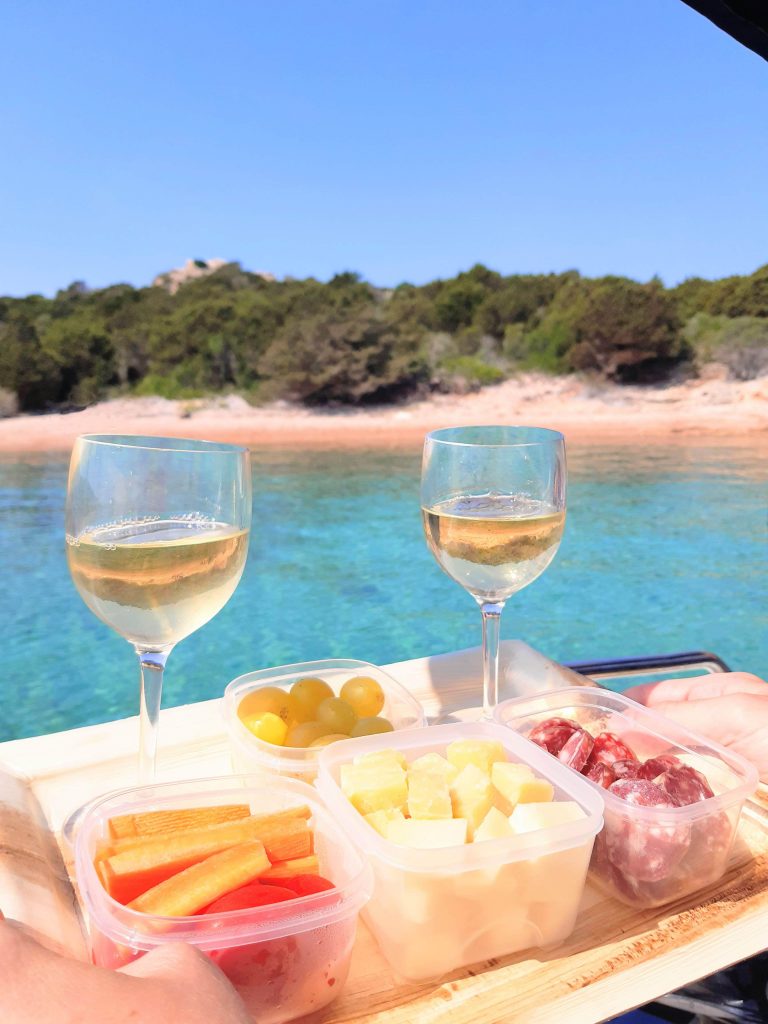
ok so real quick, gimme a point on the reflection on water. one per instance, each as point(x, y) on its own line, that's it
point(664, 550)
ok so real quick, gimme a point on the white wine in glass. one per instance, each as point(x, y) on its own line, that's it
point(493, 507)
point(157, 537)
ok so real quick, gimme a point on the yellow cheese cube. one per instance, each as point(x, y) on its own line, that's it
point(531, 817)
point(471, 796)
point(428, 795)
point(494, 825)
point(435, 763)
point(481, 753)
point(382, 757)
point(518, 785)
point(380, 819)
point(374, 787)
point(428, 835)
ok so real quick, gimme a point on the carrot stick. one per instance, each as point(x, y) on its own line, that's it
point(148, 823)
point(194, 888)
point(139, 867)
point(298, 866)
point(110, 848)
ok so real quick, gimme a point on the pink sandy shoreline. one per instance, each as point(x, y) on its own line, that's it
point(711, 411)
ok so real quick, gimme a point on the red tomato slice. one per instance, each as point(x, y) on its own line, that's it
point(247, 896)
point(302, 885)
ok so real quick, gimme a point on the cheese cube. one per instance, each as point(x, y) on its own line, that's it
point(374, 787)
point(518, 785)
point(380, 819)
point(471, 796)
point(435, 763)
point(386, 757)
point(428, 795)
point(494, 825)
point(481, 753)
point(532, 817)
point(428, 835)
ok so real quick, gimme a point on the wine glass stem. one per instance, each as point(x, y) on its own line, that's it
point(491, 624)
point(151, 665)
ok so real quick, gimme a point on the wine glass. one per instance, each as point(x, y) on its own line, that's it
point(157, 536)
point(493, 507)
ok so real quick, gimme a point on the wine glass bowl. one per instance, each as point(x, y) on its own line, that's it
point(157, 537)
point(493, 506)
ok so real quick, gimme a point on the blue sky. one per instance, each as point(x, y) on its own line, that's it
point(403, 139)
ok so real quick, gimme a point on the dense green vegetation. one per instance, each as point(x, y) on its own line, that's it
point(346, 341)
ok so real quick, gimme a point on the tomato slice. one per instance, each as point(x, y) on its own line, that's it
point(302, 885)
point(247, 896)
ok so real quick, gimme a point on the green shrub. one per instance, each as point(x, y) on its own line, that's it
point(739, 343)
point(473, 370)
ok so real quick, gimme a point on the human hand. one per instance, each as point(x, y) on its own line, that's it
point(728, 707)
point(173, 982)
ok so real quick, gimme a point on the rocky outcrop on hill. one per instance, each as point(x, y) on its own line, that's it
point(172, 280)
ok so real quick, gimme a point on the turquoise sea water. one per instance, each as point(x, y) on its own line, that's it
point(664, 550)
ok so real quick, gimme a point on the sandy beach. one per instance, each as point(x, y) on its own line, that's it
point(712, 410)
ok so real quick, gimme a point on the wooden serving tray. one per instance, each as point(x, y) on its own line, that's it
point(617, 958)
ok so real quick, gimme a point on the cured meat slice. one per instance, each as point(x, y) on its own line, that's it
point(576, 750)
point(609, 748)
point(645, 851)
point(684, 785)
point(602, 774)
point(627, 769)
point(553, 733)
point(656, 766)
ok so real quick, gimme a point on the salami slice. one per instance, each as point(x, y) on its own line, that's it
point(576, 750)
point(627, 769)
point(683, 785)
point(602, 774)
point(553, 733)
point(656, 766)
point(644, 851)
point(609, 748)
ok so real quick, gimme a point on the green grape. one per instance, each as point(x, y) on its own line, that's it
point(305, 697)
point(371, 726)
point(265, 698)
point(324, 741)
point(336, 714)
point(305, 733)
point(267, 726)
point(364, 695)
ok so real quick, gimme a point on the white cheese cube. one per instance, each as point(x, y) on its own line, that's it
point(494, 825)
point(428, 835)
point(532, 817)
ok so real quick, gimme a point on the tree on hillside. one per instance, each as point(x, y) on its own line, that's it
point(519, 300)
point(25, 369)
point(627, 331)
point(365, 357)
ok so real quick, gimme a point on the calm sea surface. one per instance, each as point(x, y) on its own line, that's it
point(664, 550)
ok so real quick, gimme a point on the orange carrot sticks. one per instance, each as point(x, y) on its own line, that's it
point(139, 867)
point(194, 888)
point(290, 868)
point(149, 823)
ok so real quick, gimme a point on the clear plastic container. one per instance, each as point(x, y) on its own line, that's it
point(436, 910)
point(646, 855)
point(251, 755)
point(285, 959)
